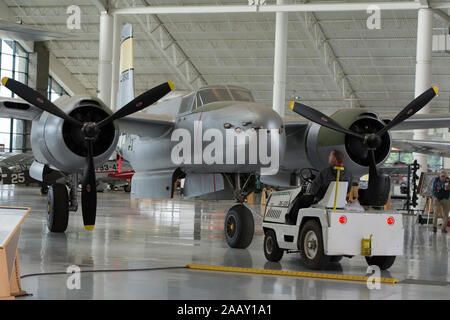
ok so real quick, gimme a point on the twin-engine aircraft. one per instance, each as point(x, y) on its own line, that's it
point(217, 138)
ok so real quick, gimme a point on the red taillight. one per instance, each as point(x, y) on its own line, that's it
point(390, 221)
point(343, 219)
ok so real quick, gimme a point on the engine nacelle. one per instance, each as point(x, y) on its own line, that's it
point(59, 143)
point(321, 141)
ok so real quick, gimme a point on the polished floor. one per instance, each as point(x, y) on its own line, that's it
point(133, 234)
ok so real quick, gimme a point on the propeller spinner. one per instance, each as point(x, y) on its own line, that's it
point(90, 131)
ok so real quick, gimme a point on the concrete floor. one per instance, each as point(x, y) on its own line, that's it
point(170, 233)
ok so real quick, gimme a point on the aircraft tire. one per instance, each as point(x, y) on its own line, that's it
point(239, 227)
point(58, 208)
point(127, 188)
point(383, 262)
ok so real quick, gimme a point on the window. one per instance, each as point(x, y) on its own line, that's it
point(14, 65)
point(242, 95)
point(54, 90)
point(186, 103)
point(209, 95)
point(434, 162)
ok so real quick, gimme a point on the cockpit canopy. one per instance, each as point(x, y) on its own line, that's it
point(211, 94)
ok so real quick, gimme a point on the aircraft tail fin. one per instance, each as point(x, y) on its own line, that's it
point(126, 78)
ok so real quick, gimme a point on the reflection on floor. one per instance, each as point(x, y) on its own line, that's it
point(169, 233)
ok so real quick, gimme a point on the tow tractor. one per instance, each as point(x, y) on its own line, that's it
point(330, 230)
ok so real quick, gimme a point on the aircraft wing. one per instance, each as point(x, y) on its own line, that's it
point(18, 109)
point(141, 124)
point(146, 125)
point(421, 121)
point(21, 158)
point(426, 147)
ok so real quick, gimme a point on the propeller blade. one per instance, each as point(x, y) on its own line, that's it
point(372, 164)
point(89, 191)
point(143, 101)
point(320, 118)
point(414, 106)
point(36, 99)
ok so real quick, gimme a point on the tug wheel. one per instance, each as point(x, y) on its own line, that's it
point(383, 262)
point(271, 250)
point(311, 246)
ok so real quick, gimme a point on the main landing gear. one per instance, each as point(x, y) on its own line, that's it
point(239, 225)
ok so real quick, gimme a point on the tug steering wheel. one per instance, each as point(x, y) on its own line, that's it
point(308, 174)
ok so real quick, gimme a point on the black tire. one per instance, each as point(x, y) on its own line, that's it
point(239, 227)
point(314, 256)
point(127, 188)
point(335, 259)
point(58, 208)
point(271, 250)
point(383, 262)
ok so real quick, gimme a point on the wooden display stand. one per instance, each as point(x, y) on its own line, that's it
point(11, 219)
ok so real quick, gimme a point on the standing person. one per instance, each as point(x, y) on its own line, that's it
point(440, 192)
point(320, 184)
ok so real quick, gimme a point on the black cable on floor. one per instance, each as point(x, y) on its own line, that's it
point(95, 271)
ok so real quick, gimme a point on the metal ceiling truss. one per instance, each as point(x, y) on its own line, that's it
point(317, 7)
point(178, 60)
point(329, 59)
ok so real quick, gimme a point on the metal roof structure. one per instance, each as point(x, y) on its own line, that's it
point(327, 51)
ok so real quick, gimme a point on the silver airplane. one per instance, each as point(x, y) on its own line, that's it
point(182, 136)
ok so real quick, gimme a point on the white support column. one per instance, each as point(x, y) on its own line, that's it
point(447, 138)
point(115, 61)
point(423, 71)
point(279, 72)
point(105, 57)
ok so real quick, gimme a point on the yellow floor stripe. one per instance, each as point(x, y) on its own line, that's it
point(288, 273)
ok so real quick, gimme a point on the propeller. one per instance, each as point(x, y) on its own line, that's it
point(90, 131)
point(320, 118)
point(371, 141)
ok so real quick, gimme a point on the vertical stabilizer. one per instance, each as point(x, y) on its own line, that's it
point(126, 78)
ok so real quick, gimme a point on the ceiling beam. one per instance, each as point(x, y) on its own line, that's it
point(102, 5)
point(442, 15)
point(65, 78)
point(319, 7)
point(423, 2)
